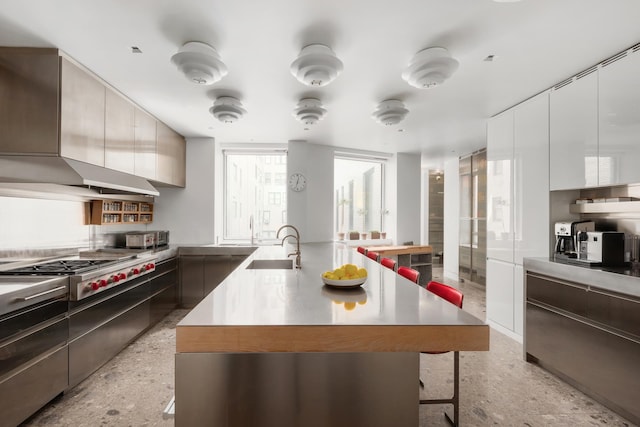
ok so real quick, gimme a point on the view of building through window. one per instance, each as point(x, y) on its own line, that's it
point(358, 195)
point(255, 194)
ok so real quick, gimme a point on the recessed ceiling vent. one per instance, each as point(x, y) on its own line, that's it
point(200, 63)
point(316, 65)
point(390, 112)
point(309, 111)
point(227, 109)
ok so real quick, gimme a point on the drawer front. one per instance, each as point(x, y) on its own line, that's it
point(621, 313)
point(562, 295)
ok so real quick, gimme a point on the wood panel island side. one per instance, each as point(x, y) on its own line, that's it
point(276, 347)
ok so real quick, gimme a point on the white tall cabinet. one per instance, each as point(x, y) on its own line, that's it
point(517, 206)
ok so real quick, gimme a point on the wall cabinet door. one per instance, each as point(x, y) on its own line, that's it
point(500, 293)
point(573, 132)
point(619, 122)
point(531, 178)
point(118, 133)
point(171, 156)
point(82, 107)
point(500, 230)
point(145, 144)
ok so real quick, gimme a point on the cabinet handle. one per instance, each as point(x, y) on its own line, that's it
point(617, 296)
point(50, 291)
point(551, 279)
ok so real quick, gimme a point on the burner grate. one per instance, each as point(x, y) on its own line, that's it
point(61, 267)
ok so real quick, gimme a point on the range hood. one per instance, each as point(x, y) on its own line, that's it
point(60, 170)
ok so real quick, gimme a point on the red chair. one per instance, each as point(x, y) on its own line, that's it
point(389, 263)
point(373, 255)
point(362, 250)
point(409, 273)
point(455, 297)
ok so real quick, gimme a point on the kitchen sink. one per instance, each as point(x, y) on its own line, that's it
point(272, 264)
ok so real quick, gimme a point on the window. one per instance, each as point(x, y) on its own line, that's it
point(358, 195)
point(251, 196)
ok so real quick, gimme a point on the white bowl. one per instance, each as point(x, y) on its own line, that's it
point(351, 283)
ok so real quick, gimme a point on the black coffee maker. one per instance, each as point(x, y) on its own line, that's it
point(567, 234)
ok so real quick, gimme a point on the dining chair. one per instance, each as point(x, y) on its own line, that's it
point(373, 255)
point(409, 273)
point(455, 297)
point(362, 250)
point(389, 263)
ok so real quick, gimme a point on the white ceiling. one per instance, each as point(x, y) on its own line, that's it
point(537, 43)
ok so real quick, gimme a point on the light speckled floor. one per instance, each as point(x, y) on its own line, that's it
point(497, 387)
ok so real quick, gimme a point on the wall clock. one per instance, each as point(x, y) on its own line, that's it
point(297, 182)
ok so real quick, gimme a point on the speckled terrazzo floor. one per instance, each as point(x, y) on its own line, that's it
point(497, 388)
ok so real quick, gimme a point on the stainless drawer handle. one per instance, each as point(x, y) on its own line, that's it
point(50, 291)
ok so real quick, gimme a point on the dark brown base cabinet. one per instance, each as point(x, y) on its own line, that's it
point(588, 337)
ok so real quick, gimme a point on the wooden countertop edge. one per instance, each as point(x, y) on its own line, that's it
point(400, 250)
point(331, 338)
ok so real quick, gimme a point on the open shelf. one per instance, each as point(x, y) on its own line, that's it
point(109, 212)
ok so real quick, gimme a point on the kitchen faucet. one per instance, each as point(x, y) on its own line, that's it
point(297, 237)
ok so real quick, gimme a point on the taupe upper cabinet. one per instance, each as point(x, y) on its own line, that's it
point(145, 144)
point(619, 120)
point(82, 107)
point(119, 151)
point(171, 156)
point(573, 133)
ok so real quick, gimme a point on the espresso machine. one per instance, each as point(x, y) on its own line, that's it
point(566, 232)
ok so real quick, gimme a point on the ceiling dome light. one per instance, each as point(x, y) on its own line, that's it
point(430, 67)
point(309, 111)
point(390, 112)
point(200, 63)
point(316, 65)
point(227, 109)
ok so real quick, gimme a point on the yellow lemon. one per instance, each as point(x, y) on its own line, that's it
point(350, 268)
point(362, 272)
point(339, 273)
point(349, 306)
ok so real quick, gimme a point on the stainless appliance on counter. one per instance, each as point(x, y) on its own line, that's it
point(603, 247)
point(567, 237)
point(143, 239)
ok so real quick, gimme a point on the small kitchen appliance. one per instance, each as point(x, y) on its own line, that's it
point(603, 247)
point(146, 239)
point(567, 236)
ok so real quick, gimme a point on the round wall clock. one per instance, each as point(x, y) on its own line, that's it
point(297, 182)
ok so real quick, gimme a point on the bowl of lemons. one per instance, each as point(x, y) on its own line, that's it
point(345, 276)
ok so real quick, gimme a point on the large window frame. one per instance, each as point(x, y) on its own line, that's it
point(244, 212)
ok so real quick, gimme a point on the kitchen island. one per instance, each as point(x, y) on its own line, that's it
point(277, 347)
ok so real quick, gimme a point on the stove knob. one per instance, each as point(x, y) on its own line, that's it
point(103, 283)
point(150, 266)
point(136, 271)
point(115, 278)
point(95, 286)
point(122, 276)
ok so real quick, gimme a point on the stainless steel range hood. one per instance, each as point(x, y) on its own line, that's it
point(60, 170)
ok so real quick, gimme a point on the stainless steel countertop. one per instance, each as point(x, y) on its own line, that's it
point(619, 280)
point(253, 297)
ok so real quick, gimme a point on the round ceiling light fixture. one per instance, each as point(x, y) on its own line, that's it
point(309, 111)
point(227, 109)
point(200, 63)
point(316, 65)
point(429, 68)
point(390, 112)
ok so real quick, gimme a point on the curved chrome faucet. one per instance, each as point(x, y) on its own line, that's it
point(297, 237)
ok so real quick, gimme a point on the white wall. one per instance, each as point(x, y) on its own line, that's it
point(451, 217)
point(408, 207)
point(188, 213)
point(311, 210)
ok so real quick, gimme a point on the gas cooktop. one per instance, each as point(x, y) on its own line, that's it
point(61, 267)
